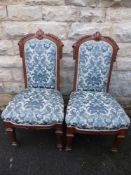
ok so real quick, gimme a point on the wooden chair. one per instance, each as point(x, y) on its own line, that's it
point(40, 105)
point(91, 109)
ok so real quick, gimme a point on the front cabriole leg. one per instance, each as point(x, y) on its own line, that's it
point(69, 138)
point(10, 130)
point(59, 134)
point(118, 138)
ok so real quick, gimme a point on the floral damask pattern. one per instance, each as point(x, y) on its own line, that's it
point(95, 111)
point(35, 106)
point(40, 59)
point(93, 65)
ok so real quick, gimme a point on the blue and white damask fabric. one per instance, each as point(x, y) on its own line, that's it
point(93, 65)
point(95, 111)
point(35, 106)
point(40, 59)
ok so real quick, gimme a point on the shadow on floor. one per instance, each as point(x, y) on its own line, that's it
point(38, 155)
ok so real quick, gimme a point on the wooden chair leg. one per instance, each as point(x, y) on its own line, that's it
point(69, 138)
point(59, 134)
point(10, 130)
point(118, 138)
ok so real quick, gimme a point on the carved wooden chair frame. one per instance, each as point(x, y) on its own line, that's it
point(10, 127)
point(119, 134)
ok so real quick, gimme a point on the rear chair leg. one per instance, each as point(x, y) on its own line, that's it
point(69, 138)
point(118, 138)
point(59, 134)
point(10, 130)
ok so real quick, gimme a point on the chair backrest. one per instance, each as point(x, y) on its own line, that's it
point(94, 56)
point(41, 54)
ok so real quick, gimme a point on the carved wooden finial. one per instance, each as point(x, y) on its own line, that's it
point(97, 36)
point(40, 34)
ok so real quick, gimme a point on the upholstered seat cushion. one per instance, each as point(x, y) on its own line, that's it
point(95, 111)
point(35, 106)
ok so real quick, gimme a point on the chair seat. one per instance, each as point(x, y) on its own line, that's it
point(35, 106)
point(95, 111)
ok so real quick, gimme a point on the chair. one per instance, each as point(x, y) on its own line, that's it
point(40, 105)
point(91, 109)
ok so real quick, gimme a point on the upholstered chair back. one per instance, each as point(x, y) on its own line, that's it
point(94, 61)
point(41, 60)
